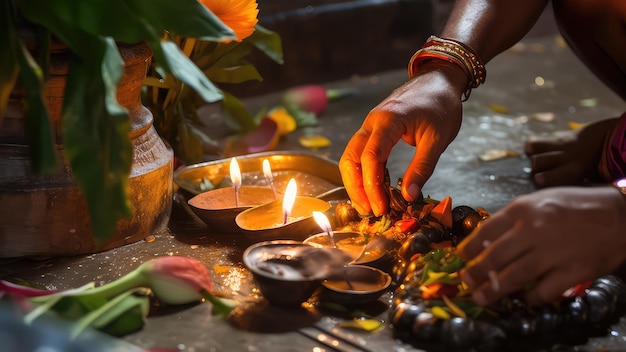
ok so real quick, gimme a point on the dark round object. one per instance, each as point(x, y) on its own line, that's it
point(416, 243)
point(574, 311)
point(519, 323)
point(426, 327)
point(345, 213)
point(600, 305)
point(548, 320)
point(464, 220)
point(433, 234)
point(403, 315)
point(459, 333)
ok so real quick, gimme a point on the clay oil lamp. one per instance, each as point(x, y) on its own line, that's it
point(290, 218)
point(366, 250)
point(219, 207)
point(355, 285)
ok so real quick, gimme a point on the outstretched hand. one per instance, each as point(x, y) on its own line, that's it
point(551, 239)
point(425, 113)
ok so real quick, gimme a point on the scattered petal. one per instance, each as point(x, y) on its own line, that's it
point(543, 116)
point(499, 108)
point(314, 142)
point(286, 123)
point(496, 154)
point(560, 42)
point(589, 102)
point(575, 125)
point(369, 325)
point(521, 119)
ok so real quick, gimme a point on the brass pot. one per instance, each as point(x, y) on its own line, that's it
point(47, 215)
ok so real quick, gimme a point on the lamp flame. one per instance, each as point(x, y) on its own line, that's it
point(324, 224)
point(235, 173)
point(235, 177)
point(289, 199)
point(322, 220)
point(269, 177)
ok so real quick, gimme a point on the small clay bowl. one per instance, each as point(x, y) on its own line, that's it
point(264, 222)
point(218, 208)
point(359, 284)
point(352, 243)
point(286, 272)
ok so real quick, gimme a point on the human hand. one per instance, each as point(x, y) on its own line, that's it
point(568, 157)
point(554, 239)
point(426, 113)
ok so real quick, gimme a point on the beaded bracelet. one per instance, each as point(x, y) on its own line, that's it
point(455, 52)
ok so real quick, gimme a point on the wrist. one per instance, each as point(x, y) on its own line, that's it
point(455, 78)
point(453, 52)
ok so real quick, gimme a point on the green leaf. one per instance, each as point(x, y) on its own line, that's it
point(221, 306)
point(189, 147)
point(236, 116)
point(95, 134)
point(172, 58)
point(268, 42)
point(188, 18)
point(303, 118)
point(129, 21)
point(42, 149)
point(237, 74)
point(8, 55)
point(121, 315)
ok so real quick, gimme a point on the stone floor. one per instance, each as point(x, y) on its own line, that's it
point(499, 116)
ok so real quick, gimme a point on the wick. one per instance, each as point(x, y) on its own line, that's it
point(345, 276)
point(331, 235)
point(285, 216)
point(236, 196)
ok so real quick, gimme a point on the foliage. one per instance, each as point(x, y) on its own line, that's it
point(175, 105)
point(95, 127)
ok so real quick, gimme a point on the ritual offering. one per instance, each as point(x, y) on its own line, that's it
point(290, 218)
point(288, 272)
point(355, 285)
point(218, 207)
point(431, 305)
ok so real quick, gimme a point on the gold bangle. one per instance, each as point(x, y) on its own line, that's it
point(455, 52)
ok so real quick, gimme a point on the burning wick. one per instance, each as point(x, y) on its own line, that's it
point(235, 177)
point(289, 199)
point(269, 177)
point(322, 220)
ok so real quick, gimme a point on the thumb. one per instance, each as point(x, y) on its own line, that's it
point(419, 170)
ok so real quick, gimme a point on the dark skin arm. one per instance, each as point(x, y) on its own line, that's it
point(426, 111)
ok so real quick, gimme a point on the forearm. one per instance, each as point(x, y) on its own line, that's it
point(492, 26)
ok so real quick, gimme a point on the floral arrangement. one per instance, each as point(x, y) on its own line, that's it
point(95, 126)
point(175, 104)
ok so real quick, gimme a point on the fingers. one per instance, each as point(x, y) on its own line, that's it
point(550, 287)
point(373, 160)
point(488, 231)
point(351, 172)
point(427, 153)
point(542, 144)
point(565, 174)
point(548, 160)
point(362, 165)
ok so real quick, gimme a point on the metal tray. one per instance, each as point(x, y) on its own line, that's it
point(315, 176)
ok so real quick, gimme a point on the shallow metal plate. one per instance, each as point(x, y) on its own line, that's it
point(314, 175)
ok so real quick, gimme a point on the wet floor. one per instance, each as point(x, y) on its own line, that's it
point(537, 87)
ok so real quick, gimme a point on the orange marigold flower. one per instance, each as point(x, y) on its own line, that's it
point(238, 15)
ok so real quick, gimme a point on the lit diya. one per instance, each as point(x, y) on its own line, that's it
point(290, 218)
point(219, 207)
